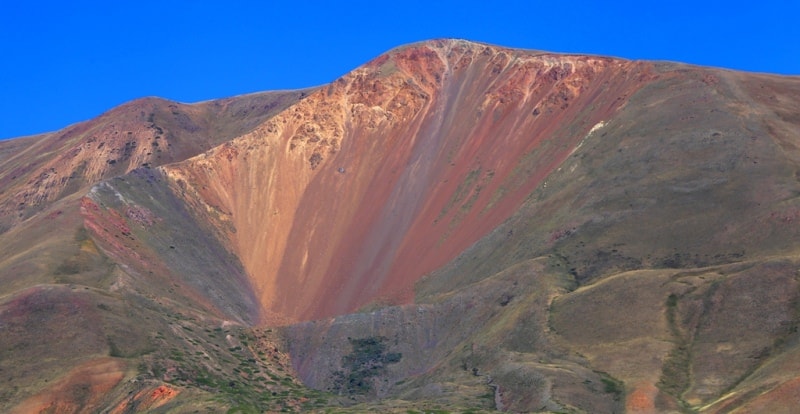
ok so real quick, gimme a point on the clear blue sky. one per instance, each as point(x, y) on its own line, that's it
point(63, 62)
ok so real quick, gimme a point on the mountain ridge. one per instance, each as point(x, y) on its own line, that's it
point(452, 226)
point(378, 115)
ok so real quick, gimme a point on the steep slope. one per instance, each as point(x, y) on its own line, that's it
point(45, 176)
point(655, 270)
point(350, 196)
point(515, 231)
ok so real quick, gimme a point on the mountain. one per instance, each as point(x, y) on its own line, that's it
point(452, 226)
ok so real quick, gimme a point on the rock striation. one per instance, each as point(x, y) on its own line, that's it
point(350, 196)
point(451, 226)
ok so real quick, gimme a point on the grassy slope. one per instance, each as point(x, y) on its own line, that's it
point(678, 180)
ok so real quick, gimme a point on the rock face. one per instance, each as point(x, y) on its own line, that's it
point(451, 226)
point(349, 197)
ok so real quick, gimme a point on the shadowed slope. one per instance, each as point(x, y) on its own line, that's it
point(353, 194)
point(139, 221)
point(42, 178)
point(70, 304)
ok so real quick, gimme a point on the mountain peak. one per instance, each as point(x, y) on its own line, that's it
point(433, 133)
point(452, 225)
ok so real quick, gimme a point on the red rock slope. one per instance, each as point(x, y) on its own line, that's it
point(350, 196)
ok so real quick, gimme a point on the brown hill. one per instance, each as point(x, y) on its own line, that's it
point(515, 230)
point(38, 171)
point(65, 303)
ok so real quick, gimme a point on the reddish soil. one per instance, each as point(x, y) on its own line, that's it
point(81, 390)
point(111, 231)
point(642, 399)
point(352, 195)
point(147, 399)
point(347, 198)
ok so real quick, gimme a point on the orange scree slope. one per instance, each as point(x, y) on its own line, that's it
point(351, 195)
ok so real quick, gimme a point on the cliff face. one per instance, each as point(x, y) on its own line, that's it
point(350, 196)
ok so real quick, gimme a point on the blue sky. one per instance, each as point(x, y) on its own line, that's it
point(63, 62)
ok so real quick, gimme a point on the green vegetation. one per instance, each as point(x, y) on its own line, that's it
point(612, 386)
point(675, 377)
point(368, 359)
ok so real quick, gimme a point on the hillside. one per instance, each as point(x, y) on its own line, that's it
point(452, 226)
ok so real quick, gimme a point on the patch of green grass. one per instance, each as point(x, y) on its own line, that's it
point(612, 386)
point(675, 373)
point(244, 409)
point(367, 360)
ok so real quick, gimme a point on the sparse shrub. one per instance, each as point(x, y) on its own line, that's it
point(315, 160)
point(612, 386)
point(368, 359)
